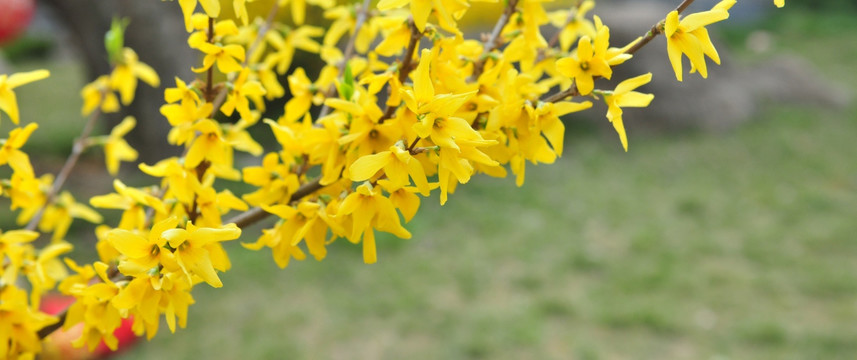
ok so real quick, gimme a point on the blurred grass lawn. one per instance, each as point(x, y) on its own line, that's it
point(694, 246)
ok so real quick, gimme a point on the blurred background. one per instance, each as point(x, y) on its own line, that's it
point(726, 232)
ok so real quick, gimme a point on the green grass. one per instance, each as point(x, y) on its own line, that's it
point(690, 246)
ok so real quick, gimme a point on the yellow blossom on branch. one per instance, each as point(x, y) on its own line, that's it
point(370, 210)
point(116, 149)
point(588, 62)
point(198, 251)
point(128, 70)
point(227, 57)
point(688, 36)
point(98, 94)
point(624, 96)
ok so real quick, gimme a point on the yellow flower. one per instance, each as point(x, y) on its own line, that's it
point(148, 295)
point(269, 80)
point(227, 57)
point(20, 324)
point(182, 117)
point(420, 10)
point(14, 247)
point(132, 201)
point(45, 270)
point(780, 3)
point(124, 76)
point(143, 251)
point(98, 93)
point(306, 93)
point(212, 204)
point(344, 20)
point(209, 145)
point(275, 180)
point(177, 179)
point(307, 222)
point(181, 93)
point(397, 34)
point(403, 198)
point(282, 249)
point(28, 193)
point(58, 216)
point(298, 7)
point(8, 101)
point(623, 96)
point(300, 38)
point(93, 308)
point(577, 26)
point(242, 89)
point(196, 247)
point(398, 165)
point(689, 37)
point(211, 8)
point(446, 11)
point(10, 150)
point(116, 149)
point(370, 210)
point(588, 62)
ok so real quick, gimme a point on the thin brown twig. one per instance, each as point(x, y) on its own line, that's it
point(411, 148)
point(405, 68)
point(493, 41)
point(209, 76)
point(47, 330)
point(62, 176)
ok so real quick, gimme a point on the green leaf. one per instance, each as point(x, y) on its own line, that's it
point(346, 87)
point(114, 39)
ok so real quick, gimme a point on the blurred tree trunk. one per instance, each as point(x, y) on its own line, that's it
point(156, 32)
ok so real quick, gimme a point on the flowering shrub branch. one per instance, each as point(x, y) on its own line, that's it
point(353, 160)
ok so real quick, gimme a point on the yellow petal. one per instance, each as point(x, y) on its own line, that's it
point(420, 10)
point(635, 99)
point(9, 104)
point(19, 79)
point(211, 7)
point(671, 24)
point(632, 83)
point(697, 20)
point(147, 74)
point(370, 255)
point(423, 88)
point(366, 166)
point(674, 53)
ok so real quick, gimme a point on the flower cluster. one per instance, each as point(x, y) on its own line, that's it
point(408, 108)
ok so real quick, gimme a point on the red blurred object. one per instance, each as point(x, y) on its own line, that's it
point(15, 15)
point(60, 341)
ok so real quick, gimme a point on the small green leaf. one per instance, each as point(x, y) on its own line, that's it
point(346, 87)
point(114, 39)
